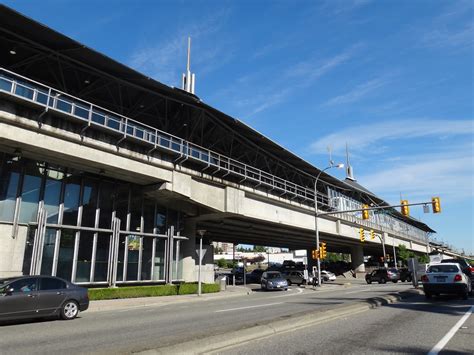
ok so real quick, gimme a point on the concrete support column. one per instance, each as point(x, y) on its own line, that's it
point(191, 258)
point(188, 248)
point(357, 258)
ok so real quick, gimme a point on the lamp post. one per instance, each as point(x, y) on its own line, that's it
point(201, 234)
point(339, 166)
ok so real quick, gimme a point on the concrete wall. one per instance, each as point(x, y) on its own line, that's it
point(12, 250)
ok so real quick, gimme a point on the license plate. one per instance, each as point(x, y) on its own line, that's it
point(440, 279)
point(278, 286)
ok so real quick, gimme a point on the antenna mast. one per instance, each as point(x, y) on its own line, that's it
point(349, 172)
point(188, 77)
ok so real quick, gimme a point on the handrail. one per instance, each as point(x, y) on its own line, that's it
point(94, 115)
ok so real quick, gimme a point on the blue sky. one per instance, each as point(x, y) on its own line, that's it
point(393, 79)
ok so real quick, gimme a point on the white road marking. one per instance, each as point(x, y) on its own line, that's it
point(442, 343)
point(239, 308)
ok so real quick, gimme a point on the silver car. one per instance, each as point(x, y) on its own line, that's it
point(273, 280)
point(40, 296)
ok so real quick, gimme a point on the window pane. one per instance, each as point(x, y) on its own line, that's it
point(102, 257)
point(146, 258)
point(159, 262)
point(84, 256)
point(89, 202)
point(133, 253)
point(9, 177)
point(48, 252)
point(52, 194)
point(120, 259)
point(106, 200)
point(30, 192)
point(121, 205)
point(148, 215)
point(71, 200)
point(160, 221)
point(25, 285)
point(136, 210)
point(66, 254)
point(47, 283)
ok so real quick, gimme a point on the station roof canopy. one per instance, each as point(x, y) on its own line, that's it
point(28, 38)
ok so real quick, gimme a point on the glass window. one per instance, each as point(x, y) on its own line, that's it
point(102, 257)
point(9, 178)
point(5, 85)
point(136, 211)
point(159, 262)
point(71, 200)
point(84, 257)
point(148, 215)
point(89, 202)
point(147, 243)
point(48, 252)
point(106, 202)
point(121, 205)
point(30, 192)
point(64, 104)
point(24, 91)
point(66, 254)
point(81, 111)
point(98, 118)
point(24, 285)
point(52, 195)
point(160, 221)
point(133, 246)
point(121, 256)
point(48, 283)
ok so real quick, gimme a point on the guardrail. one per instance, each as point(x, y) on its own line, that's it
point(92, 115)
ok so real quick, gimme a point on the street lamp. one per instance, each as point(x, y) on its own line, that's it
point(201, 234)
point(339, 166)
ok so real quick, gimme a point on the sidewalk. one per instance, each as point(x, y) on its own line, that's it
point(125, 303)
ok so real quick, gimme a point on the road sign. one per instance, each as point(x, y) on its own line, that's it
point(203, 253)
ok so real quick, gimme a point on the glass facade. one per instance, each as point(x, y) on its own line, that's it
point(79, 242)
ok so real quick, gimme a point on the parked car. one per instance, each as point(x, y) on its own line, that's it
point(465, 267)
point(405, 274)
point(294, 277)
point(382, 276)
point(41, 296)
point(328, 276)
point(255, 276)
point(446, 278)
point(273, 280)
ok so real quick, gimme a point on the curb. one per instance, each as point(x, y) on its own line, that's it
point(218, 342)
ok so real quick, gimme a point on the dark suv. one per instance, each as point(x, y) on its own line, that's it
point(382, 276)
point(405, 274)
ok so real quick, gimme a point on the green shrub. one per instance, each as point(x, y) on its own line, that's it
point(96, 294)
point(132, 292)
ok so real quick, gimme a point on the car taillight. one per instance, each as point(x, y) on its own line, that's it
point(472, 269)
point(425, 278)
point(457, 277)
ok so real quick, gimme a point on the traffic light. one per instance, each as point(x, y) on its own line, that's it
point(372, 234)
point(436, 202)
point(323, 252)
point(405, 209)
point(315, 254)
point(365, 212)
point(362, 234)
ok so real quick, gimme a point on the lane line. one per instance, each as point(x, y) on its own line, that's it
point(442, 343)
point(256, 306)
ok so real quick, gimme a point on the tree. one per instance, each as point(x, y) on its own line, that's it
point(221, 262)
point(259, 249)
point(404, 254)
point(424, 259)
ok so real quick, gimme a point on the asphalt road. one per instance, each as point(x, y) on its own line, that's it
point(412, 326)
point(135, 329)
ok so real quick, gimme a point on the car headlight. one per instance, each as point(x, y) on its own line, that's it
point(270, 283)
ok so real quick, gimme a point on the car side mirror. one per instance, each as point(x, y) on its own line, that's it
point(8, 291)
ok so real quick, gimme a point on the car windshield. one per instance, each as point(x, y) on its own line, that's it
point(443, 268)
point(274, 275)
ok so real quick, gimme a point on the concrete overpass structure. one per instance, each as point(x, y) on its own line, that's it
point(101, 131)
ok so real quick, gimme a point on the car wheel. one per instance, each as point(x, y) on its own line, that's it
point(369, 281)
point(428, 295)
point(69, 310)
point(289, 282)
point(394, 281)
point(465, 294)
point(408, 279)
point(382, 280)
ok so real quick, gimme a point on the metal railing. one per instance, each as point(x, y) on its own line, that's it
point(92, 115)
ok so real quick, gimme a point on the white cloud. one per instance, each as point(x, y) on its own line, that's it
point(423, 176)
point(359, 92)
point(360, 137)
